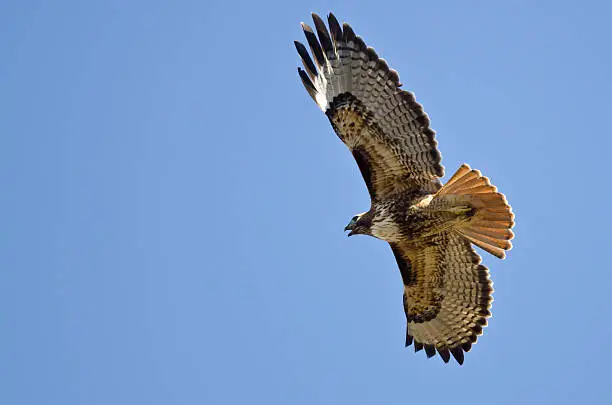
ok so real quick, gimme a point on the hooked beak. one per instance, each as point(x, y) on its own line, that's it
point(349, 227)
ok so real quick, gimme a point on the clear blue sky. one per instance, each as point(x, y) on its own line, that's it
point(173, 204)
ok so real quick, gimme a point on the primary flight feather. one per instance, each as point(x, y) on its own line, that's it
point(430, 227)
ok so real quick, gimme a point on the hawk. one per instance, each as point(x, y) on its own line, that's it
point(430, 227)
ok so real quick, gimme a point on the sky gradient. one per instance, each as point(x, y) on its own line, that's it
point(174, 202)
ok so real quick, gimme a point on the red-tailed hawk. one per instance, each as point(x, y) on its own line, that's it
point(430, 227)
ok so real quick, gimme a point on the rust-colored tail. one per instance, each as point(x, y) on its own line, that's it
point(490, 223)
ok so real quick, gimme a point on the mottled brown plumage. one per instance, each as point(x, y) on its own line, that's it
point(430, 227)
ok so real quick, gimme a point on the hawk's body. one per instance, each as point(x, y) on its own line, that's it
point(430, 227)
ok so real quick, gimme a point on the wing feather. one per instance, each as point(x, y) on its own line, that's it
point(335, 30)
point(447, 294)
point(310, 88)
point(353, 85)
point(315, 47)
point(306, 60)
point(323, 34)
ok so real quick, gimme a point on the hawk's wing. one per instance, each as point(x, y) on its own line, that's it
point(383, 126)
point(447, 294)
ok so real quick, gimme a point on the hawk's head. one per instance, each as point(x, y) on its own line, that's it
point(360, 224)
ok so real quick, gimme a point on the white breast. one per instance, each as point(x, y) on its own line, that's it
point(386, 229)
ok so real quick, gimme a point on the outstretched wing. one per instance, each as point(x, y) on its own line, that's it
point(447, 294)
point(384, 127)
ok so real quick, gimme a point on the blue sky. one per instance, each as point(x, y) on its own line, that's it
point(173, 204)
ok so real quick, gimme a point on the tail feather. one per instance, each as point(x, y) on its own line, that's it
point(497, 216)
point(476, 233)
point(495, 251)
point(498, 233)
point(463, 169)
point(467, 183)
point(498, 206)
point(483, 189)
point(481, 223)
point(465, 178)
point(489, 226)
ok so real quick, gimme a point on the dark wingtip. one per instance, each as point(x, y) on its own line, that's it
point(457, 353)
point(334, 27)
point(310, 88)
point(371, 53)
point(430, 350)
point(315, 47)
point(393, 75)
point(306, 79)
point(306, 60)
point(324, 37)
point(418, 346)
point(348, 33)
point(445, 354)
point(408, 339)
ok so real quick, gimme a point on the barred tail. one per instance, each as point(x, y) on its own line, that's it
point(489, 225)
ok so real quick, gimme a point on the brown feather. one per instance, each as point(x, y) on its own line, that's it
point(438, 280)
point(501, 243)
point(483, 189)
point(491, 224)
point(495, 251)
point(495, 233)
point(360, 95)
point(462, 171)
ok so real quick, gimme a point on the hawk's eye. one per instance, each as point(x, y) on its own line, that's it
point(355, 218)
